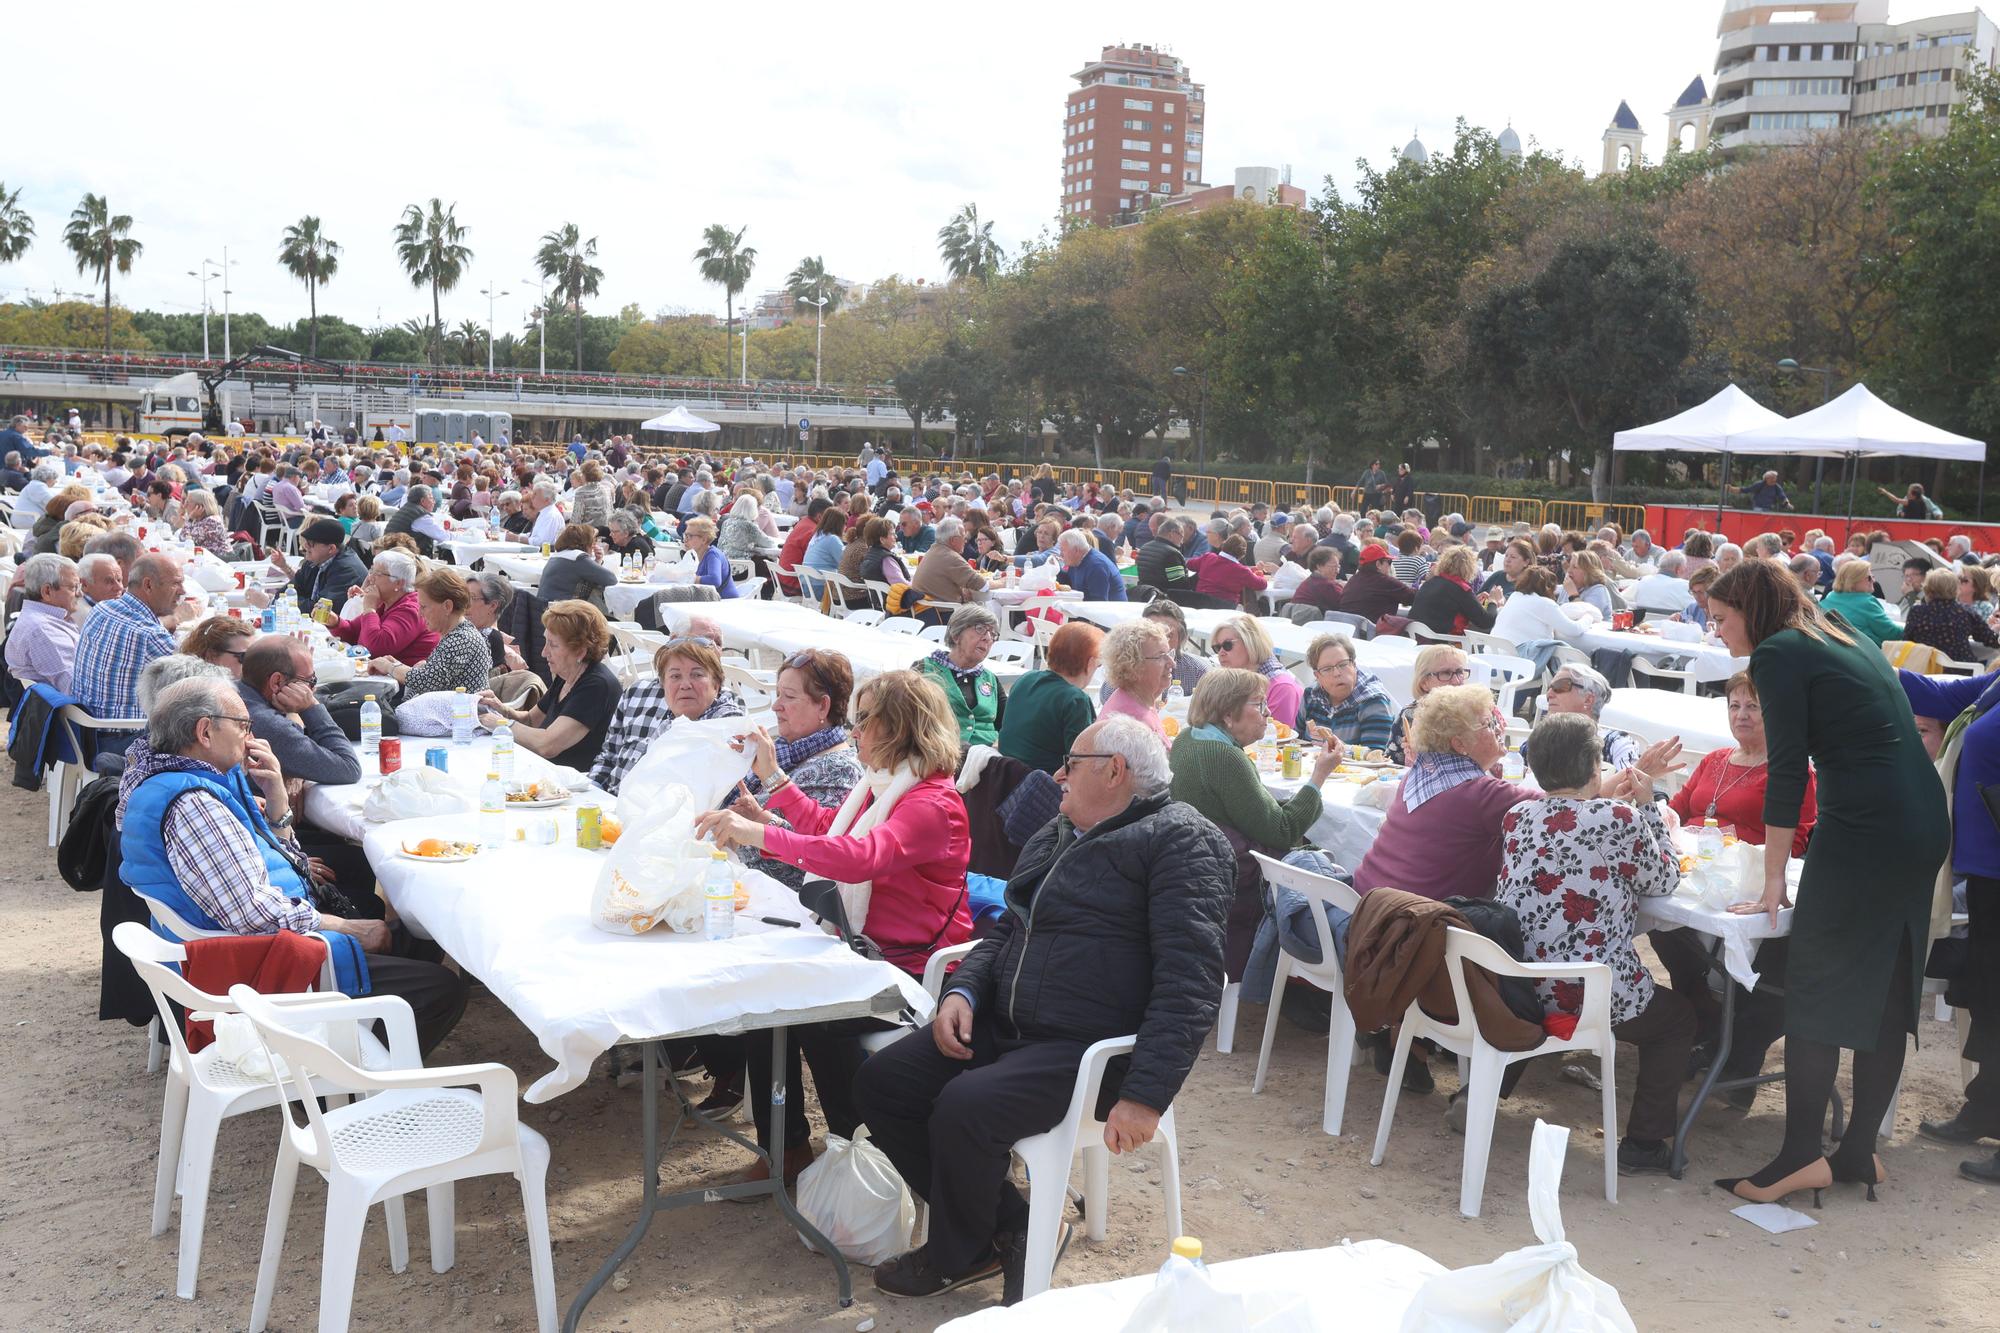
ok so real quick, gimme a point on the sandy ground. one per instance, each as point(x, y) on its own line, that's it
point(81, 1124)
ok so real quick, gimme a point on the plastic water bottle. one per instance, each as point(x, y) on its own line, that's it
point(371, 726)
point(503, 752)
point(719, 897)
point(492, 812)
point(461, 717)
point(1708, 840)
point(1176, 694)
point(1513, 768)
point(1189, 1248)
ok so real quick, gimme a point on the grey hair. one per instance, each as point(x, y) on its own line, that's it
point(1343, 524)
point(198, 503)
point(1803, 564)
point(178, 710)
point(743, 507)
point(494, 589)
point(1135, 743)
point(1637, 533)
point(1725, 548)
point(1673, 562)
point(416, 494)
point(1308, 529)
point(1590, 682)
point(43, 572)
point(161, 672)
point(507, 497)
point(623, 519)
point(90, 561)
point(1824, 543)
point(398, 565)
point(47, 471)
point(1074, 539)
point(1563, 751)
point(544, 490)
point(966, 619)
point(945, 528)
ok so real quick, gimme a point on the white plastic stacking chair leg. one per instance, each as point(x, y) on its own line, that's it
point(197, 1162)
point(1339, 1060)
point(1225, 1018)
point(284, 1179)
point(340, 1255)
point(1048, 1178)
point(1170, 1171)
point(399, 1233)
point(1607, 1055)
point(173, 1123)
point(156, 1047)
point(534, 1203)
point(1482, 1103)
point(441, 1210)
point(1278, 983)
point(1397, 1062)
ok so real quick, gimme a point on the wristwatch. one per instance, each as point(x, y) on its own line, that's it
point(280, 825)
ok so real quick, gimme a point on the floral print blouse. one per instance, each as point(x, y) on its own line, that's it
point(1574, 872)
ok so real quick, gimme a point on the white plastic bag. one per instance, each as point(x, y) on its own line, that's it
point(856, 1199)
point(208, 573)
point(695, 755)
point(1537, 1289)
point(411, 793)
point(654, 875)
point(1719, 883)
point(1184, 1300)
point(1040, 578)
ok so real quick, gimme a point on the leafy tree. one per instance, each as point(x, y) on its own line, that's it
point(17, 229)
point(968, 247)
point(564, 260)
point(101, 241)
point(809, 282)
point(468, 342)
point(431, 245)
point(679, 346)
point(727, 262)
point(71, 324)
point(409, 341)
point(311, 257)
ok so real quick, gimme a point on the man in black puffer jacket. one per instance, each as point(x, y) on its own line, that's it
point(1113, 928)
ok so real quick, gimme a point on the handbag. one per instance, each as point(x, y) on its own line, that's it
point(344, 699)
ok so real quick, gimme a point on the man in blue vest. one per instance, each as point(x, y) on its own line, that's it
point(206, 830)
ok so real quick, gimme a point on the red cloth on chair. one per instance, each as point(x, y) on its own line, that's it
point(1560, 1026)
point(268, 964)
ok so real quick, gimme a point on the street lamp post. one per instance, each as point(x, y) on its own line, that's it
point(222, 271)
point(1825, 374)
point(490, 295)
point(542, 321)
point(1201, 416)
point(819, 334)
point(204, 275)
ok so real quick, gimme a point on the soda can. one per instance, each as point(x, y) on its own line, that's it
point(1293, 768)
point(439, 758)
point(589, 826)
point(391, 751)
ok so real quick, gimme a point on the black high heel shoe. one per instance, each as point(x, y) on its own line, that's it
point(1815, 1175)
point(1846, 1175)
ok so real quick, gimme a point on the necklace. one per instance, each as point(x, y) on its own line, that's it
point(1722, 788)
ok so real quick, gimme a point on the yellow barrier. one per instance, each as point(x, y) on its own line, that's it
point(1503, 509)
point(1588, 516)
point(1449, 502)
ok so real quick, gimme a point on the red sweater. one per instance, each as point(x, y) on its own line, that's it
point(1738, 794)
point(793, 551)
point(1218, 575)
point(916, 859)
point(395, 631)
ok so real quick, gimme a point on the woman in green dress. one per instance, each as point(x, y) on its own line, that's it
point(1861, 928)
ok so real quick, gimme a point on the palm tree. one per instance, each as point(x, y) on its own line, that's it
point(727, 262)
point(434, 253)
point(810, 281)
point(967, 245)
point(564, 260)
point(101, 242)
point(466, 338)
point(311, 258)
point(17, 229)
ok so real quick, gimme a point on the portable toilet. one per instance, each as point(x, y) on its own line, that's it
point(430, 426)
point(480, 424)
point(502, 427)
point(454, 426)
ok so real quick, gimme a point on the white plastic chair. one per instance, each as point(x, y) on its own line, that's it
point(750, 588)
point(756, 694)
point(1423, 633)
point(66, 779)
point(902, 625)
point(932, 633)
point(1485, 1064)
point(203, 1089)
point(1359, 627)
point(1476, 642)
point(1225, 1016)
point(1325, 974)
point(868, 618)
point(419, 1129)
point(1505, 675)
point(1011, 659)
point(1644, 671)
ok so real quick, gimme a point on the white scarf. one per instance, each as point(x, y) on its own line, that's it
point(852, 821)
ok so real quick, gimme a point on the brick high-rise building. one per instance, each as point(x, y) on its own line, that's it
point(1132, 134)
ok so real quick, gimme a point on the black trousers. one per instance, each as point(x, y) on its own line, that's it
point(1664, 1033)
point(834, 1052)
point(1760, 1014)
point(411, 969)
point(1976, 989)
point(949, 1126)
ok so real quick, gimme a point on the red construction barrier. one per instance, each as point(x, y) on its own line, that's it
point(1668, 522)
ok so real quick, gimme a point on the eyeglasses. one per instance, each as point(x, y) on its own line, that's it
point(1334, 668)
point(1074, 757)
point(312, 681)
point(1561, 686)
point(1226, 645)
point(1497, 724)
point(243, 722)
point(1449, 673)
point(237, 653)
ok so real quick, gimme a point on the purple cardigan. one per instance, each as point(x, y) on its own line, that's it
point(1450, 846)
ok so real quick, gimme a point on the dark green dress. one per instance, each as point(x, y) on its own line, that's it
point(1882, 834)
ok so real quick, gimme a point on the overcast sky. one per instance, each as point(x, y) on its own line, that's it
point(848, 131)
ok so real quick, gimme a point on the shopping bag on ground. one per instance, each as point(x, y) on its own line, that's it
point(1537, 1289)
point(853, 1195)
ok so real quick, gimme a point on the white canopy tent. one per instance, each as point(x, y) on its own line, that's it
point(1705, 428)
point(681, 421)
point(1858, 425)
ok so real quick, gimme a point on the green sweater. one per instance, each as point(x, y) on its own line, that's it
point(979, 714)
point(1865, 613)
point(1044, 714)
point(1220, 781)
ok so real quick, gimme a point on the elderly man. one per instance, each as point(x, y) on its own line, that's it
point(1160, 562)
point(206, 822)
point(416, 517)
point(1767, 495)
point(704, 481)
point(1666, 591)
point(1087, 569)
point(390, 624)
point(41, 648)
point(329, 569)
point(513, 515)
point(124, 634)
point(548, 519)
point(277, 687)
point(912, 534)
point(1644, 552)
point(1128, 890)
point(1276, 541)
point(943, 574)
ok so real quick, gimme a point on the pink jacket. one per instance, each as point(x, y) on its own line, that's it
point(916, 859)
point(395, 631)
point(1123, 703)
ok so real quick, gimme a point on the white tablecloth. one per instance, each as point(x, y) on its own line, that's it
point(1711, 662)
point(1740, 935)
point(786, 627)
point(518, 918)
point(1702, 723)
point(463, 553)
point(1392, 660)
point(338, 809)
point(1356, 1286)
point(1290, 641)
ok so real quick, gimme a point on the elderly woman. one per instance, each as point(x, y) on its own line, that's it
point(390, 623)
point(1945, 623)
point(572, 570)
point(1442, 837)
point(1047, 709)
point(590, 499)
point(1445, 603)
point(368, 522)
point(1975, 589)
point(1139, 666)
point(1436, 666)
point(823, 552)
point(879, 561)
point(1727, 557)
point(1243, 642)
point(626, 535)
point(78, 533)
point(220, 641)
point(47, 533)
point(461, 659)
point(711, 566)
point(1853, 599)
point(971, 689)
point(1699, 583)
point(1345, 701)
point(1578, 860)
point(1576, 688)
point(1585, 581)
point(41, 648)
point(686, 684)
point(811, 750)
point(898, 847)
point(568, 726)
point(742, 539)
point(203, 528)
point(1214, 775)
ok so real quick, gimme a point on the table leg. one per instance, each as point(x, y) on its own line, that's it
point(649, 1189)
